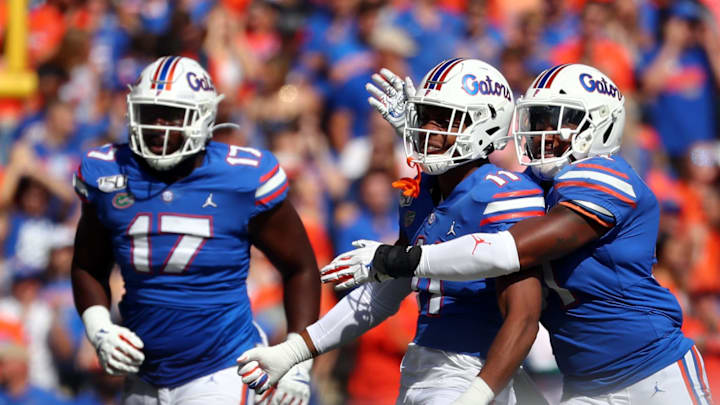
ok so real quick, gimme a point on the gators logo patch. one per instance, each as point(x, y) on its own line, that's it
point(123, 200)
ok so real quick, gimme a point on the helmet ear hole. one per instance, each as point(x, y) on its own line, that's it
point(607, 133)
point(492, 130)
point(493, 113)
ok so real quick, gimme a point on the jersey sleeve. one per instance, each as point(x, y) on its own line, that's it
point(89, 174)
point(511, 202)
point(597, 191)
point(272, 186)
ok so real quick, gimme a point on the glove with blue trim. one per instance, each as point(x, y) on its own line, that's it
point(390, 95)
point(263, 367)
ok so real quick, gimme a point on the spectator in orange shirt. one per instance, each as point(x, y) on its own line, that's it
point(702, 324)
point(592, 47)
point(699, 172)
point(705, 271)
point(697, 289)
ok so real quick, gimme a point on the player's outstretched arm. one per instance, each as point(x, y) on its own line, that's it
point(526, 244)
point(519, 299)
point(118, 348)
point(359, 311)
point(280, 235)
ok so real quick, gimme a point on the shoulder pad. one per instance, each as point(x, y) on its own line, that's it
point(601, 175)
point(99, 168)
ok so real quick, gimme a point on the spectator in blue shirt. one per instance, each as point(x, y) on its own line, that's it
point(15, 386)
point(436, 31)
point(375, 218)
point(680, 76)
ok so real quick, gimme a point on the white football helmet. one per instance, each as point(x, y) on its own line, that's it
point(477, 96)
point(179, 83)
point(576, 102)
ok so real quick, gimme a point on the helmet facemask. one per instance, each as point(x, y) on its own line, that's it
point(547, 134)
point(458, 123)
point(191, 123)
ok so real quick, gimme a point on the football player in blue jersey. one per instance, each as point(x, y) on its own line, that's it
point(460, 113)
point(178, 214)
point(615, 331)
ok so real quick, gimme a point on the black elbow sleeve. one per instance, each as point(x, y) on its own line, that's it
point(397, 261)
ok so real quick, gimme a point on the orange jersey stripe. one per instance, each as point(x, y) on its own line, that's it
point(607, 169)
point(512, 215)
point(273, 195)
point(597, 187)
point(517, 193)
point(269, 174)
point(586, 213)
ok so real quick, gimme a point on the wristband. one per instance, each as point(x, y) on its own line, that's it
point(95, 318)
point(397, 261)
point(297, 349)
point(479, 393)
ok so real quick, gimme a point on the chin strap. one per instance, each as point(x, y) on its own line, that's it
point(410, 187)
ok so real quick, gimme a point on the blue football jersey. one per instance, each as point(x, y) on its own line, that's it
point(463, 317)
point(611, 324)
point(184, 252)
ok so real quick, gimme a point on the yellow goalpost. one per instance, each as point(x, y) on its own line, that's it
point(15, 80)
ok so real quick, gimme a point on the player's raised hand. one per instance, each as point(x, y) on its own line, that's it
point(118, 348)
point(293, 388)
point(353, 268)
point(390, 96)
point(262, 367)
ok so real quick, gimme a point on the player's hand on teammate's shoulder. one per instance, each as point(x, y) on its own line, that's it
point(390, 96)
point(353, 268)
point(118, 348)
point(262, 367)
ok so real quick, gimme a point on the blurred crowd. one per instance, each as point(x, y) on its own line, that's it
point(293, 72)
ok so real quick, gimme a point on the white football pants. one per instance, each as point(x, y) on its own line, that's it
point(437, 377)
point(222, 387)
point(683, 382)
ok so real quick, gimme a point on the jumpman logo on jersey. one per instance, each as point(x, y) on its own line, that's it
point(452, 229)
point(657, 389)
point(209, 202)
point(478, 241)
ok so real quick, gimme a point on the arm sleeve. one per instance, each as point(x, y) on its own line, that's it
point(470, 257)
point(361, 310)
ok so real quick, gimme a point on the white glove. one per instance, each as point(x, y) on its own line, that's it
point(262, 367)
point(390, 97)
point(479, 393)
point(118, 348)
point(293, 388)
point(353, 268)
